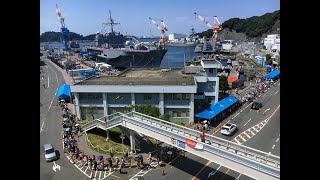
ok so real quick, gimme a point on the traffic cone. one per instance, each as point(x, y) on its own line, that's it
point(163, 172)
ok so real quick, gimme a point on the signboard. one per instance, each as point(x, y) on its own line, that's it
point(194, 144)
point(181, 144)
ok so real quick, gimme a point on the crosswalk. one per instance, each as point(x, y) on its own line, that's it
point(96, 175)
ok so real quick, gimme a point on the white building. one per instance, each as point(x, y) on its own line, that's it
point(173, 91)
point(272, 42)
point(176, 36)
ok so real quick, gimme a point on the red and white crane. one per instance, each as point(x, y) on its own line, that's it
point(216, 26)
point(163, 29)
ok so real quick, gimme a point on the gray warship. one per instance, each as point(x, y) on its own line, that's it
point(124, 51)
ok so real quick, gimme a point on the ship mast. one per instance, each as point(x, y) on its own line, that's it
point(111, 22)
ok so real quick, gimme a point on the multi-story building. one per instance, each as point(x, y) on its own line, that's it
point(272, 43)
point(173, 91)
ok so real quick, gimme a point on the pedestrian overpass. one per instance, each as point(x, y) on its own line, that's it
point(243, 159)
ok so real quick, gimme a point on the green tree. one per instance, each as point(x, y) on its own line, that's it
point(165, 116)
point(223, 83)
point(147, 109)
point(91, 110)
point(268, 59)
point(253, 27)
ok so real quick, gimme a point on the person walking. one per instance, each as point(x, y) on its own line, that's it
point(202, 137)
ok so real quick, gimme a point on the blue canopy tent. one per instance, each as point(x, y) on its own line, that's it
point(64, 91)
point(272, 74)
point(216, 108)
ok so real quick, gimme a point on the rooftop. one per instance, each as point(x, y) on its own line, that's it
point(143, 77)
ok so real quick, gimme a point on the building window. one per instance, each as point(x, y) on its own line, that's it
point(188, 96)
point(178, 96)
point(147, 97)
point(119, 97)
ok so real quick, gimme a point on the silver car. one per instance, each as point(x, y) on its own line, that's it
point(228, 129)
point(49, 152)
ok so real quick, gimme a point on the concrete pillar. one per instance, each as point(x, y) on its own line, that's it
point(161, 103)
point(132, 141)
point(191, 108)
point(77, 105)
point(105, 104)
point(107, 131)
point(216, 97)
point(133, 99)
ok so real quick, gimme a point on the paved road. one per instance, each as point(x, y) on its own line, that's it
point(268, 139)
point(50, 127)
point(194, 168)
point(252, 122)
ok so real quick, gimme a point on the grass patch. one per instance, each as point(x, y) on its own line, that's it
point(115, 130)
point(82, 122)
point(98, 137)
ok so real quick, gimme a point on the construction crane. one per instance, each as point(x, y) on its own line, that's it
point(163, 29)
point(216, 27)
point(64, 30)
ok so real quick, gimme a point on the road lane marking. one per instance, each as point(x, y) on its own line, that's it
point(251, 131)
point(236, 141)
point(194, 177)
point(45, 118)
point(273, 146)
point(277, 139)
point(237, 178)
point(235, 115)
point(245, 107)
point(213, 172)
point(257, 127)
point(242, 138)
point(48, 82)
point(100, 174)
point(275, 93)
point(56, 75)
point(55, 166)
point(225, 174)
point(247, 135)
point(95, 175)
point(250, 110)
point(140, 173)
point(247, 122)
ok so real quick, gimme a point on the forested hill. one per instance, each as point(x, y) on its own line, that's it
point(51, 36)
point(253, 27)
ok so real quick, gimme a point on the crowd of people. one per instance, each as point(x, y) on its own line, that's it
point(70, 135)
point(259, 89)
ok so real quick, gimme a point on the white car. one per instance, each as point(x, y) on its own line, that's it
point(49, 152)
point(228, 129)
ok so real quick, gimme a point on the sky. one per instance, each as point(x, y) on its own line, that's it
point(85, 17)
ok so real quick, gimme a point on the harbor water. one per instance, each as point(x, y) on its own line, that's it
point(176, 56)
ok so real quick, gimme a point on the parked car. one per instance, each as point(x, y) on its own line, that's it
point(228, 129)
point(256, 105)
point(49, 152)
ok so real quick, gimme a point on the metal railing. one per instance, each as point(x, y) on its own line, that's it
point(245, 155)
